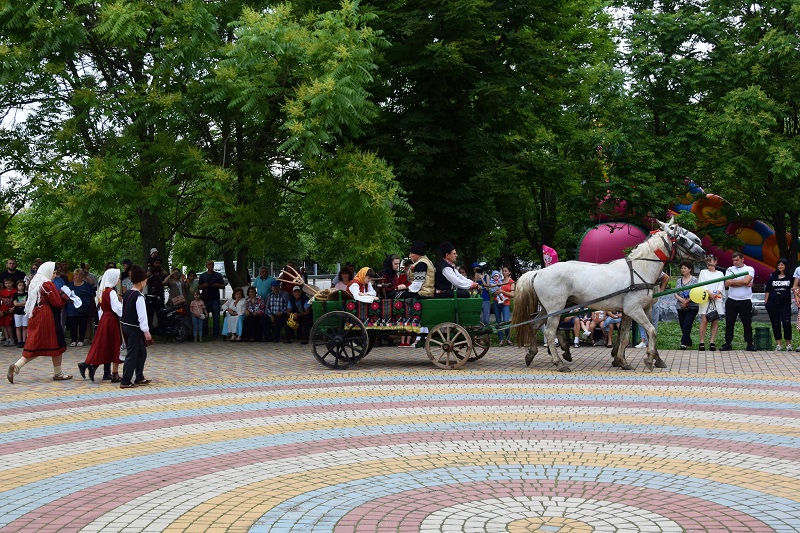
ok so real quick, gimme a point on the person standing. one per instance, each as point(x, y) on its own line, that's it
point(78, 317)
point(135, 330)
point(716, 292)
point(198, 311)
point(210, 283)
point(687, 309)
point(107, 340)
point(155, 289)
point(502, 302)
point(20, 320)
point(739, 303)
point(778, 301)
point(45, 336)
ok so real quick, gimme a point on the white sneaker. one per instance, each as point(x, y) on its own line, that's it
point(80, 344)
point(576, 344)
point(788, 347)
point(73, 344)
point(778, 348)
point(584, 335)
point(641, 345)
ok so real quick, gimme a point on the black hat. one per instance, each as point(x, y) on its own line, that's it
point(417, 247)
point(446, 248)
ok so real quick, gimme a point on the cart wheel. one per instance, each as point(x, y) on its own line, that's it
point(480, 345)
point(370, 344)
point(448, 346)
point(339, 340)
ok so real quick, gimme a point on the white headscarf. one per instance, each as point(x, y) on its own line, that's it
point(43, 274)
point(110, 279)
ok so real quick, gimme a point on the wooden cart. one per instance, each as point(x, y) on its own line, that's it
point(449, 328)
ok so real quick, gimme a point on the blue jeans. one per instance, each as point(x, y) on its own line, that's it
point(212, 306)
point(502, 313)
point(486, 310)
point(197, 326)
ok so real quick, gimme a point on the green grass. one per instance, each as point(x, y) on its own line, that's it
point(669, 335)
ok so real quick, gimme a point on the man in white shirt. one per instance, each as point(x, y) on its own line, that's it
point(447, 279)
point(739, 303)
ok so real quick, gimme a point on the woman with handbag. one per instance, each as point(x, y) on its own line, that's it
point(178, 288)
point(709, 311)
point(108, 337)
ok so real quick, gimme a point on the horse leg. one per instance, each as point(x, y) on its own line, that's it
point(618, 351)
point(623, 337)
point(533, 349)
point(640, 316)
point(565, 340)
point(552, 331)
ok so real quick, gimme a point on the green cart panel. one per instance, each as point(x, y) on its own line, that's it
point(320, 308)
point(438, 310)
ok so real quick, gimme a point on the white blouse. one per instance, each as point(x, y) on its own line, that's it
point(366, 297)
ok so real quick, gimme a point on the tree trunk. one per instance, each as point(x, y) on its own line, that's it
point(150, 230)
point(237, 276)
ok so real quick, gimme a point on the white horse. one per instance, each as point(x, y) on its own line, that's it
point(623, 285)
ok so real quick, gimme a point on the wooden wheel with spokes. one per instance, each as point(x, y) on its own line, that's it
point(339, 340)
point(448, 346)
point(480, 345)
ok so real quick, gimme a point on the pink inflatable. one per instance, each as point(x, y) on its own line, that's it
point(609, 241)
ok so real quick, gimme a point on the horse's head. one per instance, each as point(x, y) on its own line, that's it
point(689, 245)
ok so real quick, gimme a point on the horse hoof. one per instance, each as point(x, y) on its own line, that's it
point(626, 367)
point(567, 357)
point(649, 365)
point(660, 363)
point(564, 369)
point(529, 359)
point(615, 363)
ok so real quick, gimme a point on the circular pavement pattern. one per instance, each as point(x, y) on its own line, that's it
point(408, 451)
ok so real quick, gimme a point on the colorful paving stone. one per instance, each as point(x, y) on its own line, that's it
point(259, 437)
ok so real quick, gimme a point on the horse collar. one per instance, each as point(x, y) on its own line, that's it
point(661, 255)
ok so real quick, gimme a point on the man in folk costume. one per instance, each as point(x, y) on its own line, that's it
point(423, 272)
point(45, 335)
point(136, 331)
point(447, 279)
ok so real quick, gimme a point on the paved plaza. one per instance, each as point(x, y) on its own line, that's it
point(260, 437)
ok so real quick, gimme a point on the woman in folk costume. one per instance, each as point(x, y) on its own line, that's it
point(361, 287)
point(45, 336)
point(107, 338)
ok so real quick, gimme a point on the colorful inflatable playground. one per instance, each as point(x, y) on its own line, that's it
point(609, 238)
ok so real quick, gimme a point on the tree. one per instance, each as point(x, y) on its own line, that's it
point(473, 97)
point(750, 117)
point(200, 119)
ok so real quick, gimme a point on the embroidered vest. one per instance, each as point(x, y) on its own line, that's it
point(427, 289)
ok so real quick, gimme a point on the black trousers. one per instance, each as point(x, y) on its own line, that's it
point(743, 309)
point(686, 320)
point(780, 315)
point(278, 325)
point(77, 327)
point(136, 357)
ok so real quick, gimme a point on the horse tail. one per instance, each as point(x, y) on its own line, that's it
point(526, 305)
